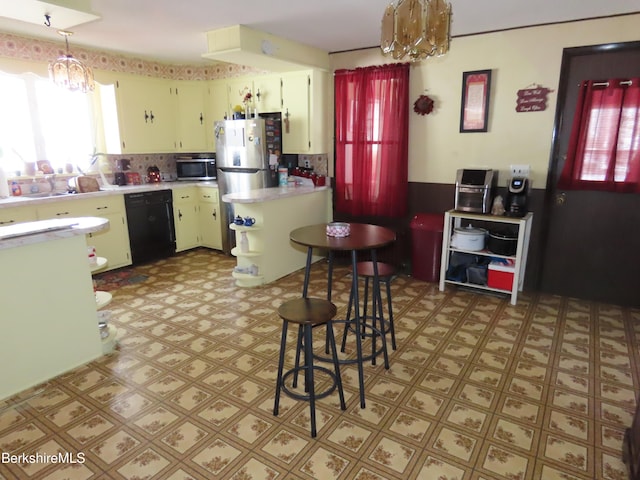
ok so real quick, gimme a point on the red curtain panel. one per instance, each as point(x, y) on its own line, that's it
point(372, 116)
point(604, 148)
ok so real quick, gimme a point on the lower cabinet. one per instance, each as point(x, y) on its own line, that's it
point(185, 216)
point(210, 226)
point(112, 243)
point(9, 216)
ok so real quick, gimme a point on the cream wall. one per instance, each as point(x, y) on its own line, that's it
point(518, 59)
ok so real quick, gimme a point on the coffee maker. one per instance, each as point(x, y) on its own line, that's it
point(517, 197)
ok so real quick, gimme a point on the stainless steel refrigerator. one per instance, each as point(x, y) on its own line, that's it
point(247, 156)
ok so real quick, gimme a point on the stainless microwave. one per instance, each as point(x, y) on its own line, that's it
point(196, 167)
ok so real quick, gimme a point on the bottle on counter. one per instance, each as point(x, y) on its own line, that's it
point(283, 176)
point(16, 191)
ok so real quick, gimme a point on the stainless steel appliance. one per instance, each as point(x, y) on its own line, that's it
point(196, 166)
point(247, 154)
point(150, 222)
point(474, 190)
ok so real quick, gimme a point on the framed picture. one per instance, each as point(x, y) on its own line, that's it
point(474, 111)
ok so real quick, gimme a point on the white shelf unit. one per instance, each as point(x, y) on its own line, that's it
point(247, 258)
point(102, 300)
point(453, 219)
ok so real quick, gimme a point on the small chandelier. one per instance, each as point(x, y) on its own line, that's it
point(69, 73)
point(417, 28)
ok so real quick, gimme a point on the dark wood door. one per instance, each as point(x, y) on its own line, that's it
point(593, 238)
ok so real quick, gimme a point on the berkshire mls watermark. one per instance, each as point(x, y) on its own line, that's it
point(29, 458)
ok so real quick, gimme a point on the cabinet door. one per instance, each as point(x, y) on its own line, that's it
point(146, 115)
point(210, 225)
point(185, 216)
point(192, 116)
point(186, 222)
point(268, 93)
point(236, 90)
point(218, 101)
point(113, 243)
point(9, 216)
point(295, 112)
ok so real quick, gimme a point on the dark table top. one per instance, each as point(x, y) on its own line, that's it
point(362, 237)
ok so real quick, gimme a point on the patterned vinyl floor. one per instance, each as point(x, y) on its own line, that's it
point(477, 390)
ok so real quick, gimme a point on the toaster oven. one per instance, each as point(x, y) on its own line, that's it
point(474, 190)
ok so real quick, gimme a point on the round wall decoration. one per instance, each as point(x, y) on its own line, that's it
point(423, 105)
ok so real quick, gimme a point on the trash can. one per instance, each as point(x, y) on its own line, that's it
point(426, 246)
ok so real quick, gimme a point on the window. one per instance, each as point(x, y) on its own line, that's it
point(40, 121)
point(604, 148)
point(372, 141)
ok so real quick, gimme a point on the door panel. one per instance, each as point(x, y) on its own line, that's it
point(592, 237)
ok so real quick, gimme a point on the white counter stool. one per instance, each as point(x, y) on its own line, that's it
point(307, 313)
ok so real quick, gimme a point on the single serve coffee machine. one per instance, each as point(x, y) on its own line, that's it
point(517, 197)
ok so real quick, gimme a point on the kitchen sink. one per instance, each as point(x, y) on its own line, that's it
point(46, 194)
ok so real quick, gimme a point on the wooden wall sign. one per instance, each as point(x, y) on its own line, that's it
point(532, 99)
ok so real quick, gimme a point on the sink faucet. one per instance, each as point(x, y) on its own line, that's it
point(52, 181)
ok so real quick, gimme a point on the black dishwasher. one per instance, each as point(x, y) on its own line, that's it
point(152, 232)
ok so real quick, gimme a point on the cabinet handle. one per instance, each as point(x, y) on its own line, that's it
point(214, 215)
point(59, 214)
point(179, 214)
point(146, 117)
point(201, 119)
point(7, 222)
point(101, 208)
point(151, 116)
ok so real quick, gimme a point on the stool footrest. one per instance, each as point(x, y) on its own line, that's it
point(306, 397)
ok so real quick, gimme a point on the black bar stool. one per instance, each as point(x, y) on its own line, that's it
point(385, 274)
point(307, 313)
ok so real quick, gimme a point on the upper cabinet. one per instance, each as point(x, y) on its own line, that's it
point(218, 102)
point(150, 115)
point(303, 112)
point(192, 117)
point(146, 114)
point(267, 91)
point(237, 89)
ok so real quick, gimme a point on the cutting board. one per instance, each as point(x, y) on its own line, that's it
point(87, 184)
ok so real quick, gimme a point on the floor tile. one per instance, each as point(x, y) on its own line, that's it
point(477, 389)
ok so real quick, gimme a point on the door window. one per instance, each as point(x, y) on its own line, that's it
point(604, 147)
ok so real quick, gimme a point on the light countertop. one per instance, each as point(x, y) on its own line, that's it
point(269, 194)
point(104, 191)
point(28, 233)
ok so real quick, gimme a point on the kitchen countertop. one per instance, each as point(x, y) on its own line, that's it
point(104, 191)
point(28, 233)
point(268, 194)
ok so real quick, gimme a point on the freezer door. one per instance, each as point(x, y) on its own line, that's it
point(233, 180)
point(241, 144)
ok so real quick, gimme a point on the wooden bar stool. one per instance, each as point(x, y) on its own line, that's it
point(385, 274)
point(307, 313)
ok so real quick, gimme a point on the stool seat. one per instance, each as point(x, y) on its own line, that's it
point(365, 269)
point(385, 274)
point(307, 313)
point(315, 311)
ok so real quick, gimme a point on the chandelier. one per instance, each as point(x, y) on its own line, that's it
point(69, 73)
point(416, 28)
